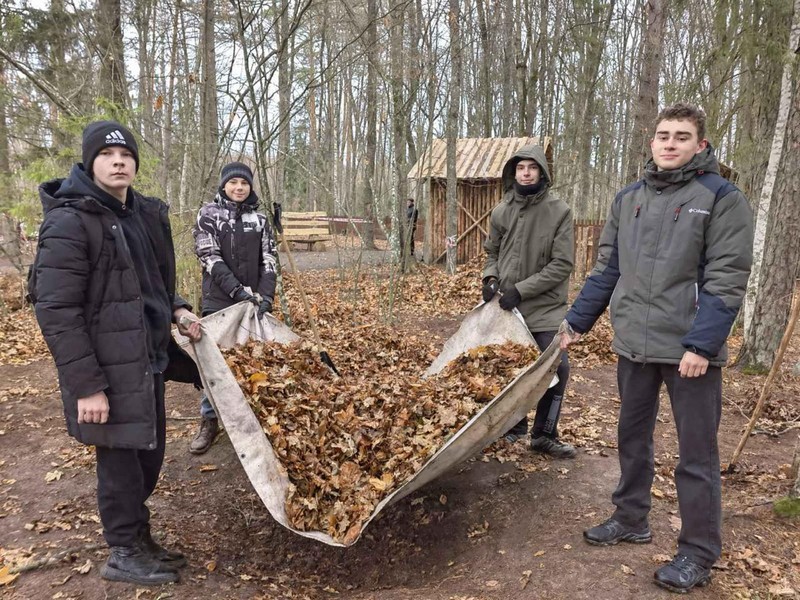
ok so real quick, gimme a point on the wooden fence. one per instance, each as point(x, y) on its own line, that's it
point(587, 237)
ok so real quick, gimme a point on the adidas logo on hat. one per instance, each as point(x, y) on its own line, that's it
point(116, 137)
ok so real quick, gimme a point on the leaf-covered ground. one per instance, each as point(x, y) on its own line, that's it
point(506, 524)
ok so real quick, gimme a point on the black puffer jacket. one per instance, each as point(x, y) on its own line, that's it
point(90, 310)
point(235, 245)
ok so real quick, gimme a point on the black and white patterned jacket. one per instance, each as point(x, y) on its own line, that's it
point(236, 248)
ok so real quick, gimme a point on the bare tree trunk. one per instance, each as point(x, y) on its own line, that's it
point(485, 83)
point(166, 126)
point(5, 148)
point(781, 261)
point(368, 195)
point(284, 92)
point(399, 192)
point(452, 135)
point(647, 105)
point(763, 213)
point(209, 116)
point(112, 59)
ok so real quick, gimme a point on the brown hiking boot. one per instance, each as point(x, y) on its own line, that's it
point(209, 428)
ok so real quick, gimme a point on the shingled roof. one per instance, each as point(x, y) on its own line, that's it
point(476, 158)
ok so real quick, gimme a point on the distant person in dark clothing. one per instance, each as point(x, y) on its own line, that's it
point(103, 284)
point(412, 214)
point(236, 247)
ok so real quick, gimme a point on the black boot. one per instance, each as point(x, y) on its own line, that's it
point(170, 558)
point(682, 574)
point(205, 437)
point(612, 532)
point(131, 564)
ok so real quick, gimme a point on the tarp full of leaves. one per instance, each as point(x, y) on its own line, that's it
point(455, 429)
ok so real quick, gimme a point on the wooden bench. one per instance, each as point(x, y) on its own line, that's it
point(306, 228)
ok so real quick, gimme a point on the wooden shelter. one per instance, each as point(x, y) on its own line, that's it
point(479, 168)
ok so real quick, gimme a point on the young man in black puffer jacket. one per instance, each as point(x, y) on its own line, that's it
point(235, 245)
point(104, 289)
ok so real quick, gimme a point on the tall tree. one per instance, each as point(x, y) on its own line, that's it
point(646, 108)
point(112, 57)
point(780, 265)
point(454, 18)
point(368, 195)
point(209, 115)
point(763, 212)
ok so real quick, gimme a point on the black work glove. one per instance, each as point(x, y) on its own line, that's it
point(242, 294)
point(510, 299)
point(490, 288)
point(264, 307)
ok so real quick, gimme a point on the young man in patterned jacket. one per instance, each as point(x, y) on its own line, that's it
point(673, 264)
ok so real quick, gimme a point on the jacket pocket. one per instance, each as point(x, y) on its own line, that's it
point(614, 302)
point(688, 306)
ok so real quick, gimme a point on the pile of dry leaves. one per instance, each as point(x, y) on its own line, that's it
point(346, 443)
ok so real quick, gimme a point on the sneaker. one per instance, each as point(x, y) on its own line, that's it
point(514, 437)
point(209, 428)
point(612, 532)
point(131, 564)
point(682, 574)
point(554, 448)
point(171, 558)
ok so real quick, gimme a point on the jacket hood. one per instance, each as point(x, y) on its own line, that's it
point(530, 152)
point(702, 162)
point(76, 190)
point(250, 203)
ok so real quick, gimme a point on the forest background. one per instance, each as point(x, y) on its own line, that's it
point(333, 101)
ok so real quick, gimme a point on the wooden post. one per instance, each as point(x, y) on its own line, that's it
point(776, 365)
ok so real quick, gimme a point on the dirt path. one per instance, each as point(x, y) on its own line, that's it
point(506, 524)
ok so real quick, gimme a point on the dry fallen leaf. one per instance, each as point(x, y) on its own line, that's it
point(53, 476)
point(84, 568)
point(539, 553)
point(627, 570)
point(211, 566)
point(206, 468)
point(6, 577)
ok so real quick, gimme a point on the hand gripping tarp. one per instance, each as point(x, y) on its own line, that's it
point(486, 324)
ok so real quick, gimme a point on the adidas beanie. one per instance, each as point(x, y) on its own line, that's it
point(101, 134)
point(235, 169)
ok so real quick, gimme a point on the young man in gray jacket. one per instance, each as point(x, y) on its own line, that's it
point(529, 258)
point(673, 264)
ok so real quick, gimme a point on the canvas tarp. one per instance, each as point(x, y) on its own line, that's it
point(486, 324)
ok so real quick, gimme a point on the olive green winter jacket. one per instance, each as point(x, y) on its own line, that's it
point(530, 246)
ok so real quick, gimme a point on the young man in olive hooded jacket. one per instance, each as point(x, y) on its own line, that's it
point(529, 258)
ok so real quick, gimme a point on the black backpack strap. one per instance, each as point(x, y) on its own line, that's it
point(95, 246)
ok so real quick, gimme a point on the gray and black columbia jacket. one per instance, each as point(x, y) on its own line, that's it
point(530, 246)
point(673, 263)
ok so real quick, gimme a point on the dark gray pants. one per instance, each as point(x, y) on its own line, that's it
point(696, 407)
point(548, 410)
point(126, 478)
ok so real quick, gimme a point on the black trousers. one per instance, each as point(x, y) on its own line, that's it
point(548, 410)
point(696, 407)
point(126, 479)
